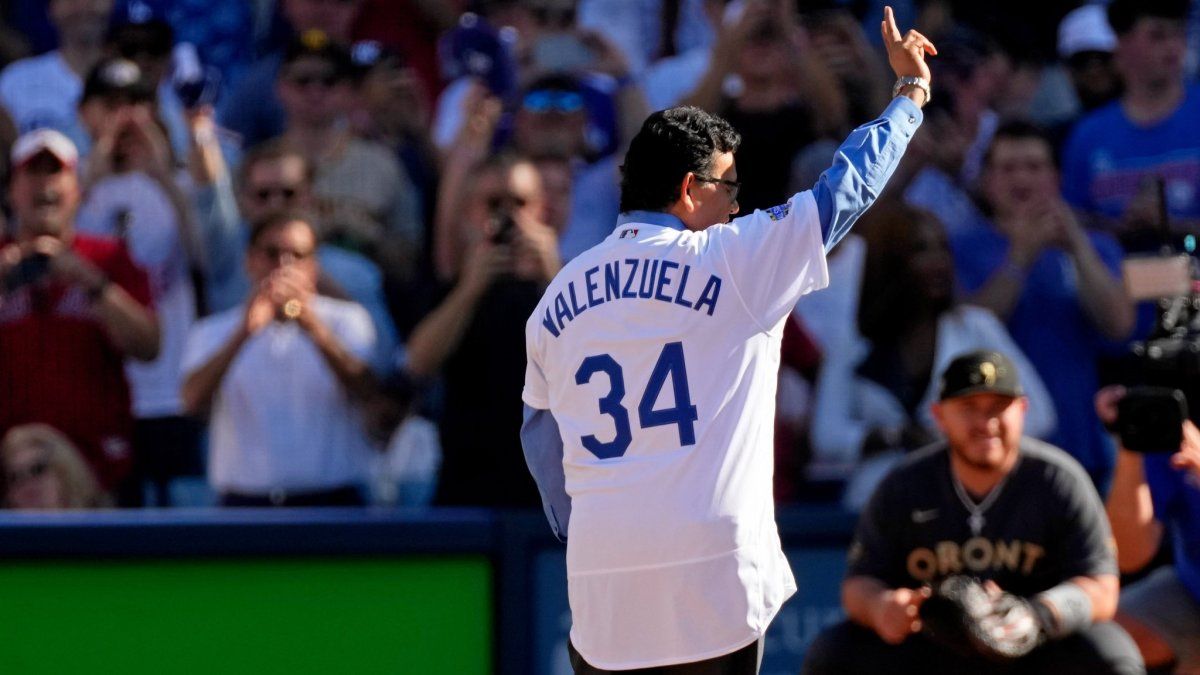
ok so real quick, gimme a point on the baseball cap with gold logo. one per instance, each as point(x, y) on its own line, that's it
point(980, 372)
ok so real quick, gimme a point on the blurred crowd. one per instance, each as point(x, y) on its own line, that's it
point(282, 252)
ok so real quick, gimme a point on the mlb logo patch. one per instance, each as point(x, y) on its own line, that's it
point(628, 233)
point(779, 212)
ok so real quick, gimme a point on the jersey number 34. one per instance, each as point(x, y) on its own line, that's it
point(670, 365)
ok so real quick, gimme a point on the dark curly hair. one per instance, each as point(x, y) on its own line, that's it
point(671, 143)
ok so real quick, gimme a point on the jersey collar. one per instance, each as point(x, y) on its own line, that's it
point(650, 218)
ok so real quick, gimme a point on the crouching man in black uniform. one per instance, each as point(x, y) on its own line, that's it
point(1013, 512)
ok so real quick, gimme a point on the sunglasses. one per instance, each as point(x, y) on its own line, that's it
point(549, 100)
point(265, 194)
point(731, 186)
point(35, 470)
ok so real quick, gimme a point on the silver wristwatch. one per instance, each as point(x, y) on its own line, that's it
point(918, 82)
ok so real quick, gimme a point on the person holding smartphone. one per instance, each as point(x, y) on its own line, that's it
point(1156, 494)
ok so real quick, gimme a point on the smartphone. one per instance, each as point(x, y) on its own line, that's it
point(1150, 419)
point(503, 228)
point(562, 53)
point(28, 271)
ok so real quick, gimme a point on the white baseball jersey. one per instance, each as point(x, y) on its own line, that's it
point(657, 352)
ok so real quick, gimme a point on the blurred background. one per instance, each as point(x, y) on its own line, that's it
point(267, 264)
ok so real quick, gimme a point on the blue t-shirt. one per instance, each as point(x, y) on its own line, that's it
point(1107, 157)
point(1176, 497)
point(1049, 324)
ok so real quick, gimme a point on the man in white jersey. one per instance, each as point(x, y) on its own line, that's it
point(650, 387)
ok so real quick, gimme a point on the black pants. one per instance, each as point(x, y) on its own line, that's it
point(345, 496)
point(744, 661)
point(850, 648)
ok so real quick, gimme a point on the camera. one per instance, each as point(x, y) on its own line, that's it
point(502, 228)
point(29, 271)
point(1163, 371)
point(1150, 419)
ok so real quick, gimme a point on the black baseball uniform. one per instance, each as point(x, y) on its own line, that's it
point(1042, 525)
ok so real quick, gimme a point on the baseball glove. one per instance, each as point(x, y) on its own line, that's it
point(962, 614)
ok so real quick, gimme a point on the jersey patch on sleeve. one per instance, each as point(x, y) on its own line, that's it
point(779, 212)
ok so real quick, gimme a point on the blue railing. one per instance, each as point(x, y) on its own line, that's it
point(529, 580)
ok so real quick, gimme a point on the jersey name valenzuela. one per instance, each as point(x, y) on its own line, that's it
point(631, 279)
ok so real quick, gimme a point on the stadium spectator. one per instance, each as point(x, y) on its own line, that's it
point(972, 75)
point(405, 473)
point(1055, 285)
point(574, 97)
point(275, 177)
point(1085, 49)
point(993, 504)
point(43, 91)
point(473, 146)
point(144, 37)
point(784, 100)
point(410, 28)
point(551, 122)
point(1153, 495)
point(476, 335)
point(1115, 154)
point(1086, 43)
point(843, 47)
point(72, 308)
point(44, 471)
point(132, 194)
point(283, 377)
point(874, 394)
point(360, 187)
point(391, 111)
point(648, 30)
point(253, 109)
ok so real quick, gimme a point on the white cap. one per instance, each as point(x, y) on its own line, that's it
point(33, 142)
point(1085, 29)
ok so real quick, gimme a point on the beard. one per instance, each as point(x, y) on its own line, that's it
point(981, 461)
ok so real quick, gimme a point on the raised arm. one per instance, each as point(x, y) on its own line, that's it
point(866, 160)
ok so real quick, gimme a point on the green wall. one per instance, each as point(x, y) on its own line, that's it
point(324, 615)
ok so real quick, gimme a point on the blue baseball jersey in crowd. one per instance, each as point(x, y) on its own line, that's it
point(1176, 496)
point(861, 168)
point(1108, 157)
point(1050, 326)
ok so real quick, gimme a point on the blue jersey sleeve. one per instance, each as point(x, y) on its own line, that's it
point(862, 166)
point(542, 443)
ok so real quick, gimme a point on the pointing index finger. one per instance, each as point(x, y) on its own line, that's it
point(889, 25)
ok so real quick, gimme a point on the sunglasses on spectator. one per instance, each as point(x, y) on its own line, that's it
point(549, 100)
point(277, 253)
point(305, 80)
point(731, 186)
point(265, 193)
point(19, 476)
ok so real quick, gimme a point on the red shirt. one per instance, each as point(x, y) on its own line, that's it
point(59, 366)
